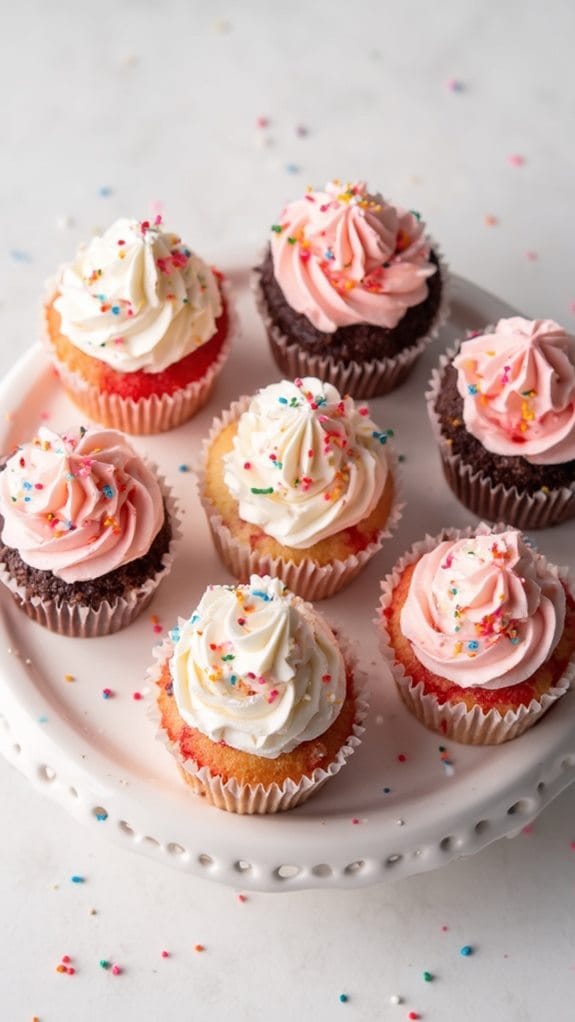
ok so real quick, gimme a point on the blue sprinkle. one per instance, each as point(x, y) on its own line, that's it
point(283, 400)
point(292, 168)
point(174, 634)
point(473, 644)
point(77, 879)
point(515, 640)
point(27, 486)
point(233, 679)
point(329, 254)
point(102, 816)
point(116, 310)
point(261, 595)
point(472, 388)
point(105, 191)
point(43, 719)
point(343, 998)
point(108, 491)
point(19, 256)
point(195, 618)
point(466, 950)
point(27, 499)
point(183, 468)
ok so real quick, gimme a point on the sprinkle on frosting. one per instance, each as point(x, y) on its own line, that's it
point(79, 504)
point(250, 668)
point(138, 298)
point(518, 390)
point(345, 256)
point(306, 462)
point(484, 611)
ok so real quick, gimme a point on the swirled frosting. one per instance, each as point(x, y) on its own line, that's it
point(483, 611)
point(257, 668)
point(79, 504)
point(138, 298)
point(518, 389)
point(306, 463)
point(344, 256)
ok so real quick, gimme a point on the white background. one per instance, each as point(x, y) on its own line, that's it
point(157, 103)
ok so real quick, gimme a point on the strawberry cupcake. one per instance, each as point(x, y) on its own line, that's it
point(480, 633)
point(258, 703)
point(86, 532)
point(138, 328)
point(350, 289)
point(503, 411)
point(299, 483)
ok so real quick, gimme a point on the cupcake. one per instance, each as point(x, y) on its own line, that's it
point(85, 531)
point(480, 632)
point(137, 328)
point(257, 701)
point(503, 411)
point(298, 483)
point(350, 289)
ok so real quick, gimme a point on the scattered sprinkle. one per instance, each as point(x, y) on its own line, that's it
point(116, 970)
point(242, 898)
point(183, 468)
point(107, 693)
point(343, 998)
point(199, 947)
point(490, 221)
point(104, 964)
point(165, 954)
point(293, 168)
point(105, 191)
point(455, 85)
point(386, 791)
point(262, 122)
point(76, 879)
point(69, 677)
point(428, 977)
point(137, 696)
point(20, 256)
point(516, 160)
point(395, 999)
point(466, 951)
point(413, 1015)
point(401, 758)
point(102, 815)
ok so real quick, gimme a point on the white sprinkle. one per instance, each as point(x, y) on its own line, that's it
point(379, 719)
point(395, 999)
point(65, 223)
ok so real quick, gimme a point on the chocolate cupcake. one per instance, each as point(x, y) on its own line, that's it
point(503, 410)
point(350, 289)
point(86, 533)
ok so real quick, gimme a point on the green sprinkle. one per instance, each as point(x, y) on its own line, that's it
point(277, 228)
point(264, 491)
point(228, 656)
point(104, 964)
point(427, 977)
point(291, 241)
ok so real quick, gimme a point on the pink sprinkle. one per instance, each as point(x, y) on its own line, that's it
point(572, 846)
point(66, 959)
point(165, 954)
point(242, 898)
point(355, 820)
point(455, 85)
point(531, 255)
point(158, 219)
point(45, 416)
point(528, 829)
point(137, 696)
point(116, 970)
point(516, 160)
point(70, 971)
point(273, 695)
point(445, 928)
point(262, 122)
point(363, 410)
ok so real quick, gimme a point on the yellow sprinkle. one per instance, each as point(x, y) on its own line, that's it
point(69, 677)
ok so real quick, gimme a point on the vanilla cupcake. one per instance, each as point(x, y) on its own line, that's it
point(257, 701)
point(351, 289)
point(85, 531)
point(503, 411)
point(480, 633)
point(138, 328)
point(299, 483)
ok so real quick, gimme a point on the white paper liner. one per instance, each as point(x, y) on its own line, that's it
point(309, 580)
point(476, 491)
point(153, 414)
point(455, 721)
point(362, 380)
point(248, 799)
point(82, 621)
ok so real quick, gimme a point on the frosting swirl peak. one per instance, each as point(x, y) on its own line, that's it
point(484, 611)
point(79, 504)
point(138, 298)
point(344, 256)
point(257, 668)
point(306, 463)
point(518, 390)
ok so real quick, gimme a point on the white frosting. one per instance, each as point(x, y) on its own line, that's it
point(137, 298)
point(306, 463)
point(257, 668)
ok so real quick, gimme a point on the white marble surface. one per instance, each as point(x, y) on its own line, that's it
point(158, 103)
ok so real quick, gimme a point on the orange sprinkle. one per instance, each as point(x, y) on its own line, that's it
point(199, 947)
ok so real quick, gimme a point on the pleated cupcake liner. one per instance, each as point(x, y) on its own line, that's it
point(454, 720)
point(155, 413)
point(362, 380)
point(82, 621)
point(478, 493)
point(309, 580)
point(257, 799)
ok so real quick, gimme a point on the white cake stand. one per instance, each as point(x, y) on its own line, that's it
point(401, 806)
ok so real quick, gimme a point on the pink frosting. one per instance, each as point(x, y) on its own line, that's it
point(79, 504)
point(484, 611)
point(344, 256)
point(518, 389)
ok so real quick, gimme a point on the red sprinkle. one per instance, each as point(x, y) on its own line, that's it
point(241, 621)
point(116, 970)
point(137, 696)
point(242, 897)
point(158, 628)
point(247, 465)
point(413, 1015)
point(402, 757)
point(66, 959)
point(165, 954)
point(326, 677)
